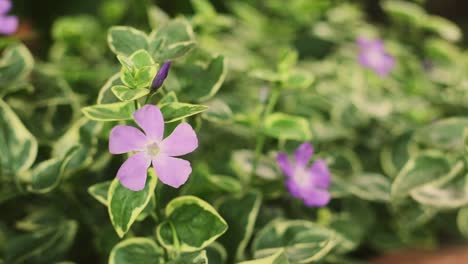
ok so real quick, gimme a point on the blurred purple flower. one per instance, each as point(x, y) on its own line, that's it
point(372, 55)
point(8, 24)
point(309, 184)
point(161, 76)
point(151, 148)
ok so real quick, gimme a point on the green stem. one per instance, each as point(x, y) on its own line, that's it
point(175, 239)
point(136, 104)
point(260, 137)
point(147, 98)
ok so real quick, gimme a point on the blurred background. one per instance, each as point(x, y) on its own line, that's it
point(39, 16)
point(68, 40)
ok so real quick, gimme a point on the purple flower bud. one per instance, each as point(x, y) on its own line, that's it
point(161, 76)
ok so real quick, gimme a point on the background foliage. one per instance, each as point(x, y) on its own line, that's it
point(253, 78)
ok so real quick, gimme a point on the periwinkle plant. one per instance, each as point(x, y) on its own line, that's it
point(268, 135)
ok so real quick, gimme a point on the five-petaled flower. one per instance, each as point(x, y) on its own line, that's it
point(307, 183)
point(372, 55)
point(8, 24)
point(151, 148)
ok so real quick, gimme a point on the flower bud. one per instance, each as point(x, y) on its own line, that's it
point(161, 76)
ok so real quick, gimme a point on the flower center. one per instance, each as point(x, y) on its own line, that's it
point(152, 149)
point(302, 177)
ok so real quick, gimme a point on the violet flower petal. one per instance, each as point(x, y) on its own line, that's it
point(133, 172)
point(8, 25)
point(285, 165)
point(293, 188)
point(123, 139)
point(317, 198)
point(303, 154)
point(5, 6)
point(150, 119)
point(183, 140)
point(172, 171)
point(366, 44)
point(320, 174)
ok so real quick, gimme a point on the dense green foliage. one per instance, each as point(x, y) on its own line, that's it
point(259, 78)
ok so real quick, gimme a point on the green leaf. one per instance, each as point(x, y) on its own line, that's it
point(125, 93)
point(99, 191)
point(240, 213)
point(371, 187)
point(126, 62)
point(351, 225)
point(140, 72)
point(277, 258)
point(191, 258)
point(203, 7)
point(173, 40)
point(465, 139)
point(126, 40)
point(298, 80)
point(141, 78)
point(445, 28)
point(137, 250)
point(303, 241)
point(141, 58)
point(395, 155)
point(176, 111)
point(170, 97)
point(205, 82)
point(418, 171)
point(42, 246)
point(46, 175)
point(218, 112)
point(110, 112)
point(125, 205)
point(105, 95)
point(447, 192)
point(410, 215)
point(288, 59)
point(406, 12)
point(242, 164)
point(18, 147)
point(75, 30)
point(266, 75)
point(202, 182)
point(16, 63)
point(216, 253)
point(191, 223)
point(283, 126)
point(157, 17)
point(82, 133)
point(462, 221)
point(445, 134)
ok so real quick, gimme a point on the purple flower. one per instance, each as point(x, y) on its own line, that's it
point(307, 183)
point(151, 148)
point(161, 76)
point(8, 24)
point(372, 55)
